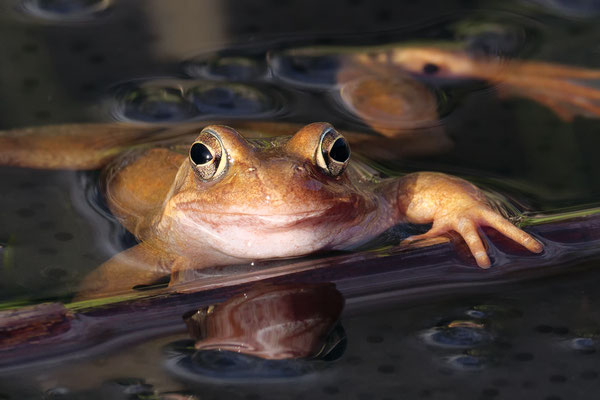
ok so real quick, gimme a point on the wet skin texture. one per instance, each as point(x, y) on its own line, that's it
point(237, 200)
point(229, 200)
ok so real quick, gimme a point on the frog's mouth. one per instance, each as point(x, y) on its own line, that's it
point(339, 214)
point(260, 233)
point(258, 219)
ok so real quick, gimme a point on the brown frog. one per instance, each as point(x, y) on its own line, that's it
point(224, 199)
point(377, 83)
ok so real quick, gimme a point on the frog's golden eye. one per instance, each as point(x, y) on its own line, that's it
point(207, 156)
point(333, 152)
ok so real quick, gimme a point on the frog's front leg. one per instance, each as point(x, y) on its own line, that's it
point(453, 204)
point(138, 265)
point(146, 264)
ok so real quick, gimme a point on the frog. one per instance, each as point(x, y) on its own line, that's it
point(391, 87)
point(198, 197)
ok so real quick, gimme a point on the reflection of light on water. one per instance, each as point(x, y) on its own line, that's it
point(186, 362)
point(583, 345)
point(460, 337)
point(227, 68)
point(119, 388)
point(305, 70)
point(497, 38)
point(473, 339)
point(154, 104)
point(214, 365)
point(569, 8)
point(65, 10)
point(466, 362)
point(232, 99)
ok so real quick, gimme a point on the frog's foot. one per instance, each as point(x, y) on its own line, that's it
point(466, 223)
point(568, 91)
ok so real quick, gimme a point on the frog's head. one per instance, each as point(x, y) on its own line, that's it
point(232, 189)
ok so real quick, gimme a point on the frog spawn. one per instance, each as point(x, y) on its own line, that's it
point(466, 344)
point(64, 10)
point(234, 99)
point(585, 345)
point(120, 388)
point(230, 68)
point(185, 100)
point(241, 87)
point(484, 343)
point(154, 104)
point(389, 104)
point(369, 85)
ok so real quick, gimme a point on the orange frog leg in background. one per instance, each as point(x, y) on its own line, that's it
point(567, 90)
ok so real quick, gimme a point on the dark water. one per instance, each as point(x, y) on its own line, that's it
point(146, 62)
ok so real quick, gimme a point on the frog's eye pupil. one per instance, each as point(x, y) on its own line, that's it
point(200, 154)
point(333, 152)
point(430, 69)
point(340, 151)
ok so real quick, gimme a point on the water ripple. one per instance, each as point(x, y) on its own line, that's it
point(171, 100)
point(229, 68)
point(234, 99)
point(467, 362)
point(64, 10)
point(458, 335)
point(305, 70)
point(153, 104)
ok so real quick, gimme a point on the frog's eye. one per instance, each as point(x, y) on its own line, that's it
point(207, 156)
point(333, 152)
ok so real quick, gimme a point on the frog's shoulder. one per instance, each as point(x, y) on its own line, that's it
point(136, 183)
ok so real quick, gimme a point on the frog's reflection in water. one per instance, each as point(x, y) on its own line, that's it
point(268, 331)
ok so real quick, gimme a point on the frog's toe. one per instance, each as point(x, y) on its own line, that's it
point(469, 232)
point(505, 227)
point(435, 231)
